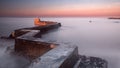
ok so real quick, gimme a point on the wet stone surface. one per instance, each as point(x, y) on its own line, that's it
point(59, 57)
point(91, 62)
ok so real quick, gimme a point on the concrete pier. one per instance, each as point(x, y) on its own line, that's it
point(28, 42)
point(50, 55)
point(60, 57)
point(42, 30)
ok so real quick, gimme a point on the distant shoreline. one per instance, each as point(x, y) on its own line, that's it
point(113, 18)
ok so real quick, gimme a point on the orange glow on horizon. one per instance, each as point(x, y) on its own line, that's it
point(86, 11)
point(68, 10)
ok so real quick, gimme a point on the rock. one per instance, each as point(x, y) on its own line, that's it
point(91, 62)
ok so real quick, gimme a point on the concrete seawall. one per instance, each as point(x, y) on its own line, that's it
point(28, 42)
point(50, 55)
point(60, 57)
point(30, 46)
point(42, 30)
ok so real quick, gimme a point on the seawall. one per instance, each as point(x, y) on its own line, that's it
point(50, 55)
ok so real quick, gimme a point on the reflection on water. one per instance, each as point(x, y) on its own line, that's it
point(100, 37)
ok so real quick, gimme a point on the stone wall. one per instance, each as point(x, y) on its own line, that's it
point(49, 55)
point(63, 56)
point(30, 46)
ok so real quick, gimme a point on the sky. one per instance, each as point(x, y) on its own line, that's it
point(59, 7)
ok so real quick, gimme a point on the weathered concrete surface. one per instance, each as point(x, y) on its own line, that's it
point(60, 57)
point(30, 46)
point(42, 29)
point(45, 28)
point(19, 32)
point(28, 42)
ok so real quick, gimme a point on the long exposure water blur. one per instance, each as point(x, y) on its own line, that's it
point(99, 37)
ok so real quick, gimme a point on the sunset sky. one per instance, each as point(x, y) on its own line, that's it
point(59, 7)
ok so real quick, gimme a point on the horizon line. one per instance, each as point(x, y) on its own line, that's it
point(64, 16)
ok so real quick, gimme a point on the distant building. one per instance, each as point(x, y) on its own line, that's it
point(37, 22)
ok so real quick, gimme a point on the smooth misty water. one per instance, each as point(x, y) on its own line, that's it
point(100, 38)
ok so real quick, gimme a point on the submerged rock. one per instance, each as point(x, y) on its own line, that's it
point(91, 62)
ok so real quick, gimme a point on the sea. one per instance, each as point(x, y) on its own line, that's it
point(94, 36)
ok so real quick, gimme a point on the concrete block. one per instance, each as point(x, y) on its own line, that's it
point(59, 57)
point(30, 46)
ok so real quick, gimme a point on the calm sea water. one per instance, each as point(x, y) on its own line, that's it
point(99, 38)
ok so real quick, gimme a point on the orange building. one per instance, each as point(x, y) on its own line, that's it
point(37, 22)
